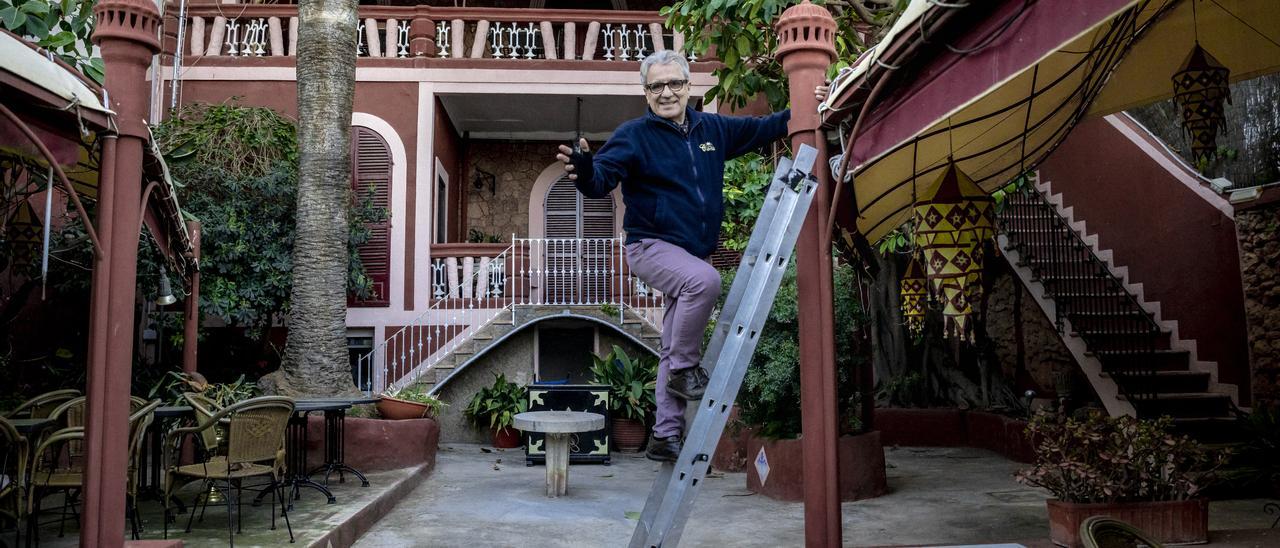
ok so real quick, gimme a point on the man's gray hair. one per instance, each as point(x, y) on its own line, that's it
point(664, 57)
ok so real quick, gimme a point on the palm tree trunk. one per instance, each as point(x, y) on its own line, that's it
point(316, 362)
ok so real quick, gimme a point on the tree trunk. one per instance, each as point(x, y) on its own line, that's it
point(316, 362)
point(888, 338)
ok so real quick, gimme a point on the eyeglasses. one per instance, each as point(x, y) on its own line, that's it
point(676, 86)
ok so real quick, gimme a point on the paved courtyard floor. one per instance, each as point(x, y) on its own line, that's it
point(939, 496)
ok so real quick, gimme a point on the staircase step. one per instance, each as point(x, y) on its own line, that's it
point(1158, 360)
point(1214, 430)
point(1173, 382)
point(1184, 405)
point(1112, 340)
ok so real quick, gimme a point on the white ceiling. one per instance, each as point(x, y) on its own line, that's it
point(539, 117)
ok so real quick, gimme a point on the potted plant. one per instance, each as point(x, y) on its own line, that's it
point(631, 399)
point(1130, 469)
point(411, 403)
point(496, 406)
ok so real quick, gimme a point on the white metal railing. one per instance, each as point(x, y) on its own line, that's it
point(471, 288)
point(404, 356)
point(387, 32)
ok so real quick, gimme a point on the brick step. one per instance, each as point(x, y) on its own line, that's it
point(1158, 360)
point(1184, 405)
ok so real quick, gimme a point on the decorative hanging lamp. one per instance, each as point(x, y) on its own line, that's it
point(914, 293)
point(25, 235)
point(1200, 88)
point(952, 219)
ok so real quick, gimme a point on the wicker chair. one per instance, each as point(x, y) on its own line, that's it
point(254, 446)
point(1109, 532)
point(204, 407)
point(40, 406)
point(139, 422)
point(13, 472)
point(54, 468)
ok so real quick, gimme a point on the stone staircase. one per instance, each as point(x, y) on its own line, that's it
point(1132, 356)
point(505, 325)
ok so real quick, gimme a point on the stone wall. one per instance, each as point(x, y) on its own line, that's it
point(1045, 355)
point(513, 358)
point(1259, 233)
point(516, 166)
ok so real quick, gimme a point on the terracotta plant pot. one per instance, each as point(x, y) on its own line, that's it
point(507, 438)
point(398, 409)
point(1171, 522)
point(629, 435)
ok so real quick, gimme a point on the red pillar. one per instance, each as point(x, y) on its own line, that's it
point(127, 33)
point(191, 308)
point(806, 47)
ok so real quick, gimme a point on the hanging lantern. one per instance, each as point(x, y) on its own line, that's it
point(1200, 89)
point(914, 293)
point(952, 220)
point(25, 233)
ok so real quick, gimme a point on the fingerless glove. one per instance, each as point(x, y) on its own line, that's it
point(581, 160)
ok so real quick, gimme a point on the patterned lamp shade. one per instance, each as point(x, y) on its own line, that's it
point(952, 221)
point(24, 234)
point(914, 293)
point(1201, 89)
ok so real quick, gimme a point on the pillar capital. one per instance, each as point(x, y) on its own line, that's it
point(806, 47)
point(806, 27)
point(128, 20)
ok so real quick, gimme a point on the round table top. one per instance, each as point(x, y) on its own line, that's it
point(558, 422)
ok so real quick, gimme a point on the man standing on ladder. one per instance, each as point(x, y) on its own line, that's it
point(670, 163)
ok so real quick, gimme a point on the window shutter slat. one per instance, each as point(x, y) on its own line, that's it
point(371, 161)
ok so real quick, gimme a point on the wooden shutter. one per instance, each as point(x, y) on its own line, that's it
point(371, 162)
point(577, 273)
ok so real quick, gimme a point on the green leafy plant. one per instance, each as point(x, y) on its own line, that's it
point(631, 382)
point(477, 236)
point(496, 405)
point(61, 27)
point(770, 395)
point(175, 383)
point(742, 36)
point(746, 180)
point(609, 309)
point(1097, 458)
point(418, 394)
point(1256, 465)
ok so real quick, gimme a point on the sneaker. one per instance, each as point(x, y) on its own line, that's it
point(689, 383)
point(663, 449)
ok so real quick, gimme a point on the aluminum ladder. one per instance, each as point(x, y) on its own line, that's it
point(732, 346)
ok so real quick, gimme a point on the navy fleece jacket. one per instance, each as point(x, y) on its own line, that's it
point(672, 184)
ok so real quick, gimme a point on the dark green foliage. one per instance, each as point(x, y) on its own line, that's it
point(770, 393)
point(1097, 458)
point(746, 180)
point(496, 405)
point(741, 32)
point(631, 382)
point(237, 170)
point(62, 27)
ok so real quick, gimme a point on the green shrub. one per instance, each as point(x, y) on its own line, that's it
point(631, 382)
point(496, 405)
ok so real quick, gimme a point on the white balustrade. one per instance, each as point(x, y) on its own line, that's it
point(455, 38)
point(470, 291)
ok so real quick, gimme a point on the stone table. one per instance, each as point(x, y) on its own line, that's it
point(557, 425)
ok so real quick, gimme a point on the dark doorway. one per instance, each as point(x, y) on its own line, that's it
point(564, 354)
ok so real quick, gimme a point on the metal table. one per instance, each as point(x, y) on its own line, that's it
point(335, 439)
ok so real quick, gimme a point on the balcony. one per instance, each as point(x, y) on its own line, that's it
point(432, 36)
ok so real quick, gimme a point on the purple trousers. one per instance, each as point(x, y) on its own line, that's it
point(691, 287)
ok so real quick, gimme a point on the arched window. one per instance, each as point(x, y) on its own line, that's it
point(371, 180)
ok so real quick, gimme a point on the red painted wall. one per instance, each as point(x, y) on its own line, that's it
point(1178, 245)
point(448, 148)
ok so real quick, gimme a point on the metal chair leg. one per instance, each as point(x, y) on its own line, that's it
point(231, 535)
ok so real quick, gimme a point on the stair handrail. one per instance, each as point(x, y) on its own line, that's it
point(1136, 372)
point(488, 293)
